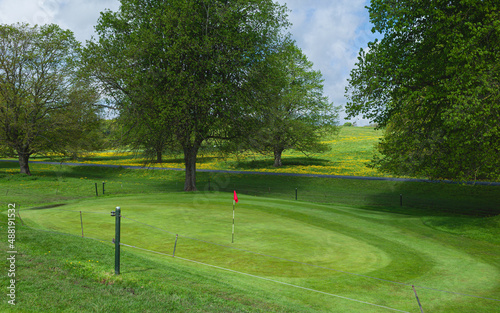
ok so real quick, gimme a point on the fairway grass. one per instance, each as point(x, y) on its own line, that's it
point(350, 259)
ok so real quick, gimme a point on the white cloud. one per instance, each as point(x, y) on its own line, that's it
point(84, 15)
point(329, 32)
point(18, 11)
point(79, 16)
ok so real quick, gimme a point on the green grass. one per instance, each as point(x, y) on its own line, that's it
point(383, 245)
point(445, 236)
point(53, 184)
point(349, 153)
point(58, 273)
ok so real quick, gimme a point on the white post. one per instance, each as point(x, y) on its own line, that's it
point(232, 241)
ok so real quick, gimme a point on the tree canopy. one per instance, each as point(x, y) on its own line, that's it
point(45, 105)
point(185, 61)
point(291, 110)
point(433, 81)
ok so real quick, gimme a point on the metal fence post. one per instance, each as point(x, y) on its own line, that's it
point(117, 215)
point(175, 245)
point(81, 222)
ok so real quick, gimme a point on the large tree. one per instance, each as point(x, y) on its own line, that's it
point(433, 81)
point(292, 111)
point(45, 106)
point(189, 59)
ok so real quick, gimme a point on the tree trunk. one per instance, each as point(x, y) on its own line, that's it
point(23, 162)
point(158, 156)
point(190, 153)
point(277, 157)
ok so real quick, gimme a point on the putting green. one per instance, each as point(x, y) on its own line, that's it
point(369, 256)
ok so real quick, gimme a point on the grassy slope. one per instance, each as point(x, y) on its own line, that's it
point(52, 184)
point(71, 274)
point(349, 152)
point(385, 245)
point(461, 210)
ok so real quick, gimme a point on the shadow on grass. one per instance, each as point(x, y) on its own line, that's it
point(412, 198)
point(44, 207)
point(8, 165)
point(409, 198)
point(287, 162)
point(199, 159)
point(439, 198)
point(60, 172)
point(105, 158)
point(151, 162)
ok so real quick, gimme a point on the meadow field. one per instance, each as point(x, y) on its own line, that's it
point(302, 244)
point(349, 153)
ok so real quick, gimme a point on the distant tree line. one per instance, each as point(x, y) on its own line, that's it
point(178, 74)
point(182, 74)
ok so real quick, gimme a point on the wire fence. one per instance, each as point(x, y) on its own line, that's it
point(206, 253)
point(273, 280)
point(403, 197)
point(396, 197)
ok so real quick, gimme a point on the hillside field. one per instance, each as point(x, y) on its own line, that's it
point(349, 153)
point(302, 244)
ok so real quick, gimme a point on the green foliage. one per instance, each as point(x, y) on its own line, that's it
point(183, 64)
point(144, 131)
point(45, 105)
point(291, 111)
point(433, 81)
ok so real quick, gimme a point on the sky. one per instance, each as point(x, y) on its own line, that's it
point(329, 32)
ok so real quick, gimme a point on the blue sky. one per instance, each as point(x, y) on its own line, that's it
point(329, 32)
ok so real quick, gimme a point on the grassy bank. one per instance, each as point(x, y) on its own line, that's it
point(435, 235)
point(61, 273)
point(344, 241)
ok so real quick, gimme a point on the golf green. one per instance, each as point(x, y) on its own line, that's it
point(368, 256)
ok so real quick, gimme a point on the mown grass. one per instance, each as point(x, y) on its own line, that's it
point(55, 183)
point(60, 273)
point(459, 221)
point(389, 246)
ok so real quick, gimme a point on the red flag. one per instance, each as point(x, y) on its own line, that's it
point(235, 197)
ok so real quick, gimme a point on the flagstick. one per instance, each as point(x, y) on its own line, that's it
point(232, 240)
